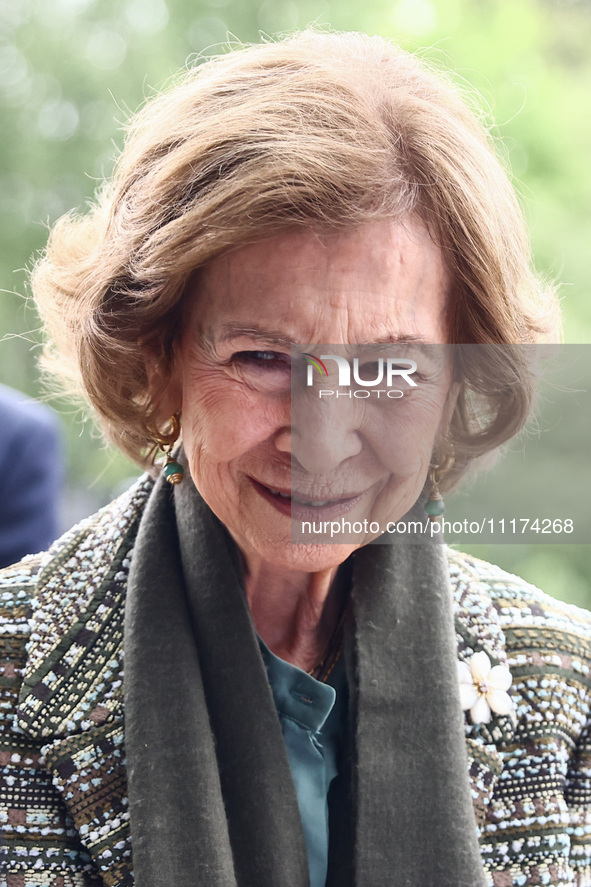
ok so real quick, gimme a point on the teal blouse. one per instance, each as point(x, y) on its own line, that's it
point(313, 719)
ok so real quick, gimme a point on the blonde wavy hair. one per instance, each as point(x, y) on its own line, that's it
point(322, 130)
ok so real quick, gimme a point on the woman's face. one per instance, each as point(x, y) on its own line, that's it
point(382, 282)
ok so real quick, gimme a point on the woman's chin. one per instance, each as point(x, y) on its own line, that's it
point(290, 556)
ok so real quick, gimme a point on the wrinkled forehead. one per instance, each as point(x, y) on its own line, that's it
point(380, 281)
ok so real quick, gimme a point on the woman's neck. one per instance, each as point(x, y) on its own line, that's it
point(295, 613)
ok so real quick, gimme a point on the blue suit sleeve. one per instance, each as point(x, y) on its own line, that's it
point(31, 476)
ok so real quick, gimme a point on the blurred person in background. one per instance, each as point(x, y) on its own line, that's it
point(31, 476)
point(292, 715)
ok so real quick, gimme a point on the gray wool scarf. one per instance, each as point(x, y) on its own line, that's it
point(212, 802)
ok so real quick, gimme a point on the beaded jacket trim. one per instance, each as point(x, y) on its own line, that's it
point(63, 803)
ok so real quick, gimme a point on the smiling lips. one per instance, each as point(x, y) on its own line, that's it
point(306, 509)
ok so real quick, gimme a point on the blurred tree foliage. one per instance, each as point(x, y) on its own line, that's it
point(71, 71)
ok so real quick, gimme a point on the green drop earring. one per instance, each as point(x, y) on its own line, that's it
point(435, 505)
point(172, 470)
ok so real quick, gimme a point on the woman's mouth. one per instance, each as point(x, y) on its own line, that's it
point(304, 506)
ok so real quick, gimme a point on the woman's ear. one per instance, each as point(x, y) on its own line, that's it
point(448, 409)
point(164, 385)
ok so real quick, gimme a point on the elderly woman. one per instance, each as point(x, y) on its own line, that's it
point(291, 711)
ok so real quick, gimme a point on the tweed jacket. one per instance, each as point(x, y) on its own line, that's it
point(63, 801)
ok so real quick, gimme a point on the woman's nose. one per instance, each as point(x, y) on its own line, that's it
point(322, 435)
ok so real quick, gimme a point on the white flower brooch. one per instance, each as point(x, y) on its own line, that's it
point(484, 688)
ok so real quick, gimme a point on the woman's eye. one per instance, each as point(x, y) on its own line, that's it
point(371, 370)
point(263, 359)
point(264, 370)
